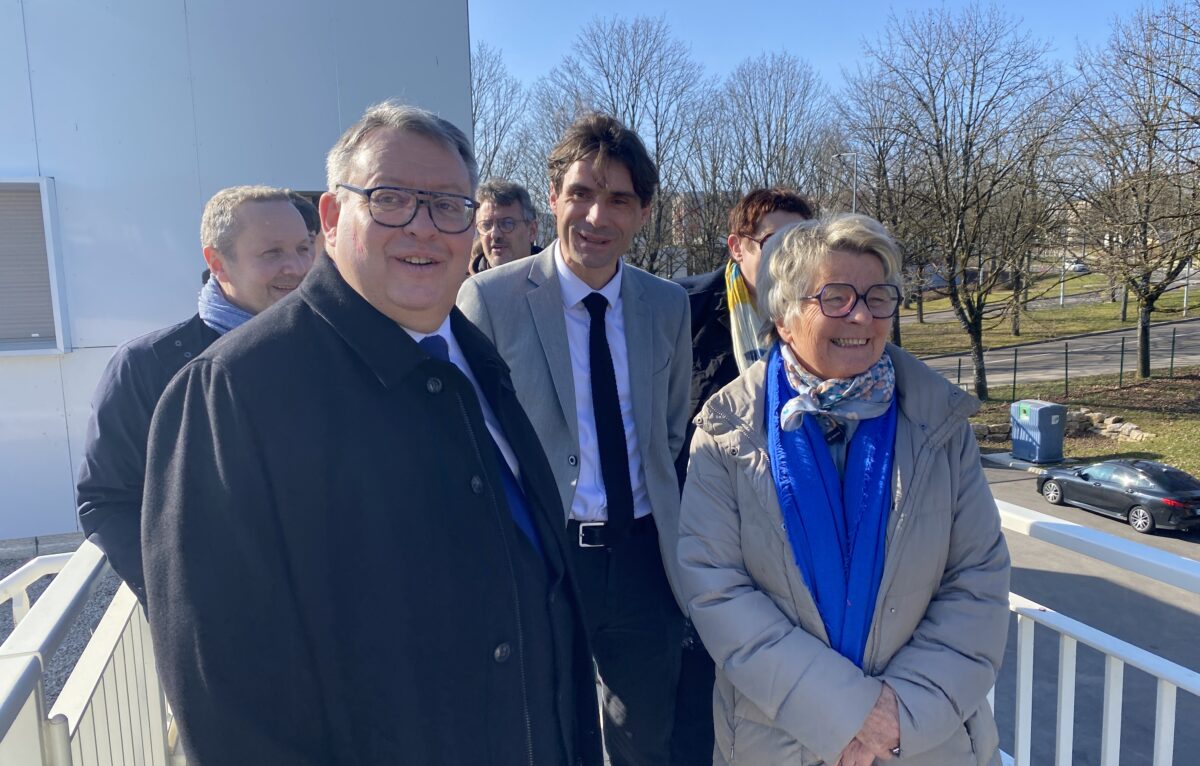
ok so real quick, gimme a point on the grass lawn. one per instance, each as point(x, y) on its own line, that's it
point(1041, 324)
point(1044, 286)
point(1169, 408)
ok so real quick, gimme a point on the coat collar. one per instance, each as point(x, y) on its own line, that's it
point(381, 343)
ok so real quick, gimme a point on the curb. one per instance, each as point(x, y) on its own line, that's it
point(993, 349)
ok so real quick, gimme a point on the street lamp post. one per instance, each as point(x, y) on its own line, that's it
point(854, 186)
point(1187, 281)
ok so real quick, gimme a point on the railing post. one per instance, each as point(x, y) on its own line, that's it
point(959, 381)
point(1110, 728)
point(58, 741)
point(1065, 733)
point(1023, 736)
point(1164, 724)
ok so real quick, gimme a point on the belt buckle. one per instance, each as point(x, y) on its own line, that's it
point(585, 525)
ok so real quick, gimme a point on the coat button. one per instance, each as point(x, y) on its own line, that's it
point(733, 450)
point(477, 485)
point(502, 653)
point(433, 385)
point(178, 343)
point(572, 460)
point(187, 354)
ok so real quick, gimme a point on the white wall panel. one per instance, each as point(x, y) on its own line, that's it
point(115, 129)
point(418, 52)
point(36, 473)
point(18, 150)
point(80, 371)
point(265, 93)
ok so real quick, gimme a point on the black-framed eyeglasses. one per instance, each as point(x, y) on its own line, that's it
point(505, 225)
point(838, 299)
point(396, 206)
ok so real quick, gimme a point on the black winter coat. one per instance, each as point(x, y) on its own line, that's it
point(713, 363)
point(109, 490)
point(332, 571)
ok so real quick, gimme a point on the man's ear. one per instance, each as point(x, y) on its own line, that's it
point(533, 230)
point(735, 247)
point(330, 209)
point(216, 263)
point(645, 215)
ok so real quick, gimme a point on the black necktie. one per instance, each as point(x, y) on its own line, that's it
point(518, 506)
point(610, 428)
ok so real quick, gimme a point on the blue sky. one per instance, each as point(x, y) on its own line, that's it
point(534, 34)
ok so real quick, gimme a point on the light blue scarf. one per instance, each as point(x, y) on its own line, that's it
point(217, 312)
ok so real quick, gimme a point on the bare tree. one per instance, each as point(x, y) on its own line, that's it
point(971, 94)
point(1134, 189)
point(497, 103)
point(777, 104)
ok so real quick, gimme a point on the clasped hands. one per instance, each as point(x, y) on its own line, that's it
point(879, 734)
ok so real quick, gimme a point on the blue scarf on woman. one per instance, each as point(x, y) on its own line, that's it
point(217, 312)
point(837, 527)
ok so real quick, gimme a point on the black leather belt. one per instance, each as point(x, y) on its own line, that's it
point(597, 534)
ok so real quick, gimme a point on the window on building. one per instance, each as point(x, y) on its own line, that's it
point(27, 273)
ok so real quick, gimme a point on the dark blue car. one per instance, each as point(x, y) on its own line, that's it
point(1148, 495)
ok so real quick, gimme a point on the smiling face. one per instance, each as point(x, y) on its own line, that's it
point(271, 253)
point(410, 274)
point(845, 346)
point(598, 214)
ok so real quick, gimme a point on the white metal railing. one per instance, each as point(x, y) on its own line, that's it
point(1170, 677)
point(111, 709)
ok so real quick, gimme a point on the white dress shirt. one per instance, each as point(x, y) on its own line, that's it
point(460, 361)
point(590, 502)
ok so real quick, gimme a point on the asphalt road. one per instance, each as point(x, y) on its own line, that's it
point(1088, 355)
point(1156, 617)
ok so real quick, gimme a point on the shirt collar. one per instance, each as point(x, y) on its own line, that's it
point(574, 289)
point(443, 330)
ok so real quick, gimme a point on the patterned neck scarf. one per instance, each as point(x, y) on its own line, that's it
point(217, 312)
point(743, 318)
point(862, 397)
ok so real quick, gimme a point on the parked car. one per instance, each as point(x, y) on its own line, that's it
point(1146, 494)
point(1078, 267)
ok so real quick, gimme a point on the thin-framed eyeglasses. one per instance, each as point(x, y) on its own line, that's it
point(505, 225)
point(838, 299)
point(760, 241)
point(396, 206)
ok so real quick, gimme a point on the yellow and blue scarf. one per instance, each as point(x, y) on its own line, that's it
point(744, 321)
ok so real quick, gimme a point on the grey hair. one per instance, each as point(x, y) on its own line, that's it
point(401, 117)
point(501, 192)
point(220, 225)
point(795, 254)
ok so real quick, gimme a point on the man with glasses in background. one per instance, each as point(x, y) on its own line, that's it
point(506, 223)
point(353, 539)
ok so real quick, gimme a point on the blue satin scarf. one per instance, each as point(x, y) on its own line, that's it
point(837, 527)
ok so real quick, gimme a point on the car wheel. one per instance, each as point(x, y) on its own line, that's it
point(1141, 520)
point(1052, 491)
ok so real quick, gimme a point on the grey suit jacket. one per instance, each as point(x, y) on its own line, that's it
point(519, 307)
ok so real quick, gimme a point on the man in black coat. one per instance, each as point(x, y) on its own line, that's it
point(257, 247)
point(353, 541)
point(752, 221)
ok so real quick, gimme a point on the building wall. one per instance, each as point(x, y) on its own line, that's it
point(140, 110)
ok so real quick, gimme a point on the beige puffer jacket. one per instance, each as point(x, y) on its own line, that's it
point(783, 696)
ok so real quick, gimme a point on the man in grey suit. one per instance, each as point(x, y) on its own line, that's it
point(601, 359)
